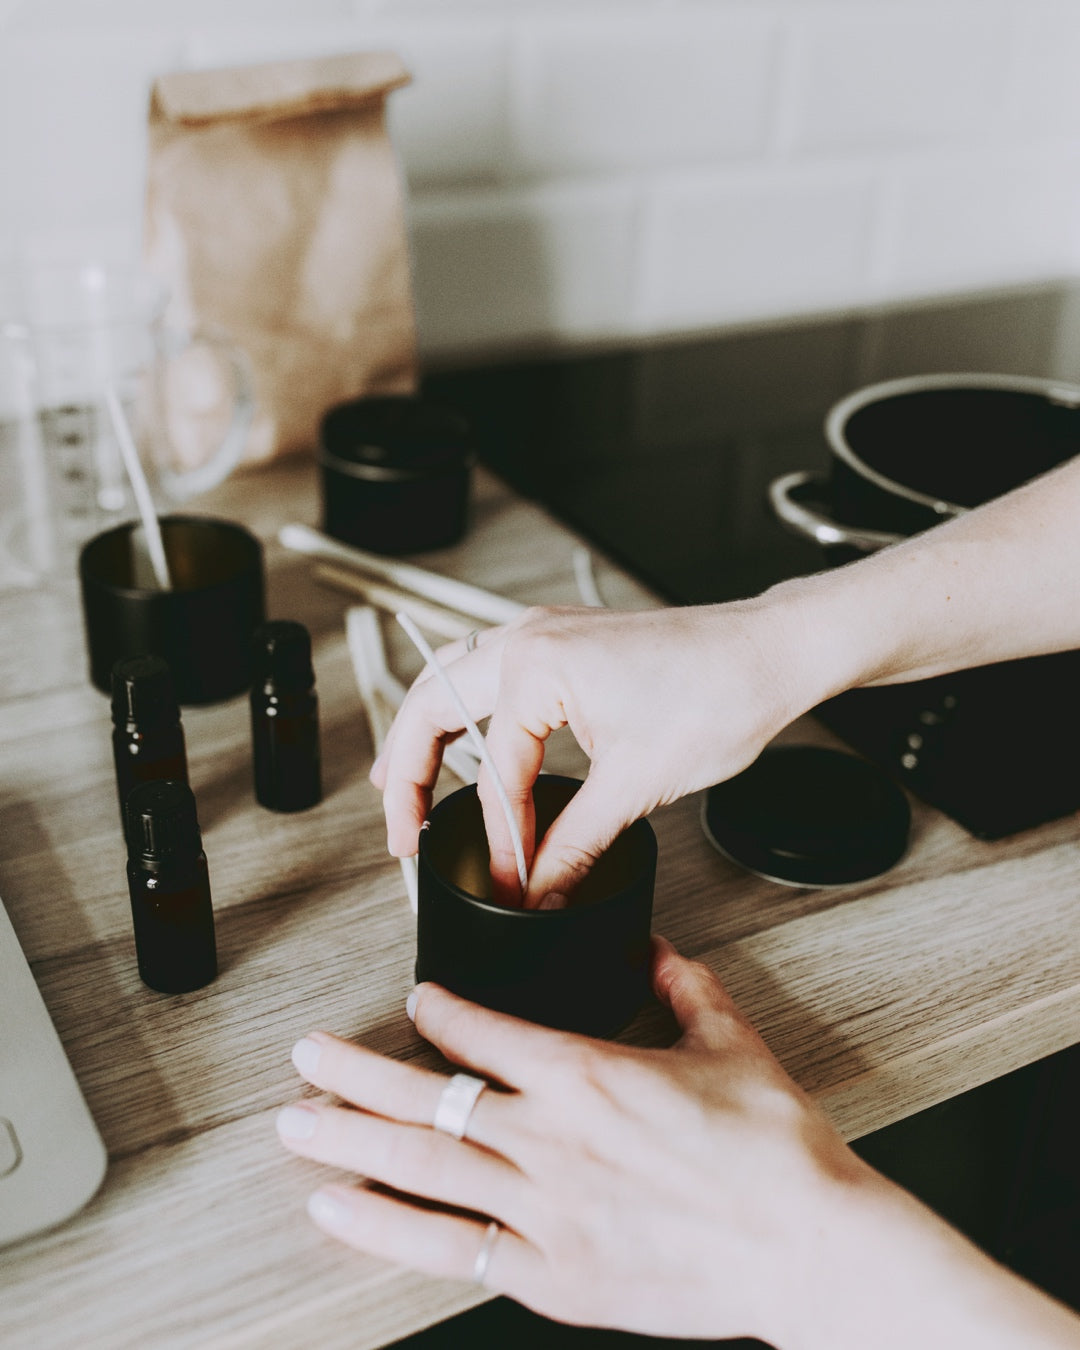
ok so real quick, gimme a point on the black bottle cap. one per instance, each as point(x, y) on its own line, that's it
point(143, 693)
point(282, 655)
point(162, 821)
point(807, 815)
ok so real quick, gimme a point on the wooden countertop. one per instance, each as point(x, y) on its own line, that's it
point(881, 999)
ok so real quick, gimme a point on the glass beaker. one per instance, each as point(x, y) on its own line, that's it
point(68, 335)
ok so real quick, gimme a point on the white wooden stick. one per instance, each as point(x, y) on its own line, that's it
point(471, 600)
point(459, 756)
point(139, 486)
point(365, 645)
point(439, 671)
point(432, 618)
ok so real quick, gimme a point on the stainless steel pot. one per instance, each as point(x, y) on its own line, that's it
point(909, 453)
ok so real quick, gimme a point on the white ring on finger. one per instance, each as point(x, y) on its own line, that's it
point(455, 1104)
point(470, 640)
point(483, 1256)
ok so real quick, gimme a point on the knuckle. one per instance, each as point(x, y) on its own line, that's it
point(573, 860)
point(532, 633)
point(616, 1077)
point(518, 794)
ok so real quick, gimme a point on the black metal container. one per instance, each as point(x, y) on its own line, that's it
point(201, 628)
point(909, 453)
point(395, 474)
point(584, 968)
point(994, 746)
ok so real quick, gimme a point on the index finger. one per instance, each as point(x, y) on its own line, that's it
point(408, 767)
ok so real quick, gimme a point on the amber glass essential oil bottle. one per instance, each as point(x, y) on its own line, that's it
point(285, 718)
point(169, 886)
point(147, 738)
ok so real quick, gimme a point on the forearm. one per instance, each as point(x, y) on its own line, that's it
point(998, 583)
point(889, 1273)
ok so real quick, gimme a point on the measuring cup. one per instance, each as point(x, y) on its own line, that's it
point(68, 334)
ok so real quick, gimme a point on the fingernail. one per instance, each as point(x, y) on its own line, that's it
point(296, 1122)
point(305, 1056)
point(553, 900)
point(329, 1210)
point(410, 1007)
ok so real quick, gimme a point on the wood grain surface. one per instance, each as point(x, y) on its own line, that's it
point(881, 999)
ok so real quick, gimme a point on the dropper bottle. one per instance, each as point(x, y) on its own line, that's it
point(148, 738)
point(169, 887)
point(285, 718)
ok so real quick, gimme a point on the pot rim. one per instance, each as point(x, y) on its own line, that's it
point(1056, 391)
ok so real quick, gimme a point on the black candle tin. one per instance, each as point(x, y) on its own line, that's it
point(584, 968)
point(201, 628)
point(395, 474)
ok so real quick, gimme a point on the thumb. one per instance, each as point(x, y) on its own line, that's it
point(587, 825)
point(704, 1010)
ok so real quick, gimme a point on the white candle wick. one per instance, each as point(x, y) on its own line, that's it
point(424, 648)
point(139, 486)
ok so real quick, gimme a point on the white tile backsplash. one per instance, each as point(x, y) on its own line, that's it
point(886, 78)
point(1013, 214)
point(643, 92)
point(758, 243)
point(594, 170)
point(1044, 90)
point(523, 268)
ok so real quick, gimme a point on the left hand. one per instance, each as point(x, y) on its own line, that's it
point(667, 1192)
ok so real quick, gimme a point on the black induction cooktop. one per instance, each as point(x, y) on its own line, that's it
point(662, 455)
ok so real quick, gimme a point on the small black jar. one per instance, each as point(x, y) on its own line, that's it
point(395, 474)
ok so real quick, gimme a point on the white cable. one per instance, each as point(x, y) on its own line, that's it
point(586, 579)
point(369, 654)
point(423, 647)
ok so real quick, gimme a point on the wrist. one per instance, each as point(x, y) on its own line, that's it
point(810, 645)
point(871, 622)
point(881, 1269)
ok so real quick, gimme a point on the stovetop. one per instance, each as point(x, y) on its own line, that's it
point(662, 455)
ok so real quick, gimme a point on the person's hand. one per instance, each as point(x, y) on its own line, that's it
point(663, 702)
point(670, 1192)
point(691, 1192)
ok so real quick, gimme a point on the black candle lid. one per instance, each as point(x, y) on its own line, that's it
point(806, 815)
point(394, 438)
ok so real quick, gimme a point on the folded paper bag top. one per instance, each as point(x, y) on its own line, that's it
point(274, 213)
point(277, 89)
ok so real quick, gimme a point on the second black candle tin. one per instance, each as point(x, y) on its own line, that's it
point(395, 473)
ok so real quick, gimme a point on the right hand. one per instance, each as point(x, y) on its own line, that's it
point(664, 702)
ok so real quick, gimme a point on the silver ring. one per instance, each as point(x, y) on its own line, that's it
point(483, 1256)
point(470, 640)
point(455, 1104)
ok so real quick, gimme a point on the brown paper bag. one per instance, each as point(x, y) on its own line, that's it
point(274, 214)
